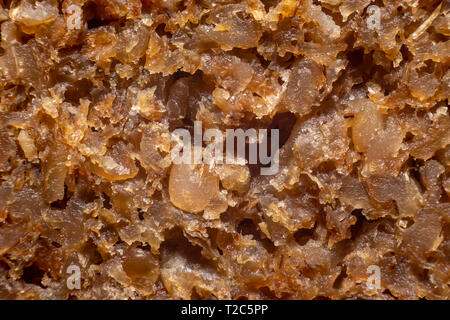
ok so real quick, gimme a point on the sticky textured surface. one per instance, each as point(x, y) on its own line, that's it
point(90, 92)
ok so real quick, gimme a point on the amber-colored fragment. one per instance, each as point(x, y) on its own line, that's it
point(92, 91)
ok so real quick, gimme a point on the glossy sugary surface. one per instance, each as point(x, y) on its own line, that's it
point(90, 92)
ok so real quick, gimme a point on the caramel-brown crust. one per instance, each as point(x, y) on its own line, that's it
point(90, 92)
